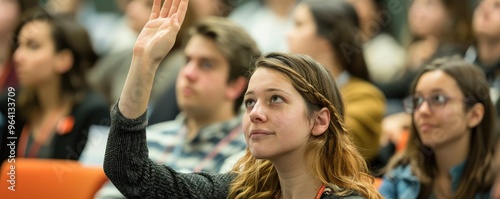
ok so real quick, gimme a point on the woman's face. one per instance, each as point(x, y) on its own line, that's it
point(444, 120)
point(428, 18)
point(35, 56)
point(276, 124)
point(486, 20)
point(303, 37)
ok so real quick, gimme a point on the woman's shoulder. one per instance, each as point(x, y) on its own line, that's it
point(357, 86)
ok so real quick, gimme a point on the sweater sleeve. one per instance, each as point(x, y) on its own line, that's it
point(129, 168)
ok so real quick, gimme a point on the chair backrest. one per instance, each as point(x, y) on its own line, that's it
point(377, 182)
point(48, 178)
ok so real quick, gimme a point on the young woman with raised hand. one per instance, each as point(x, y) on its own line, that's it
point(298, 146)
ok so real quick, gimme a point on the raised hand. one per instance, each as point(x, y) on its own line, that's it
point(154, 42)
point(158, 35)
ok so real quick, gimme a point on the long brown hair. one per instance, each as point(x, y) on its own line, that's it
point(332, 156)
point(477, 176)
point(337, 21)
point(66, 34)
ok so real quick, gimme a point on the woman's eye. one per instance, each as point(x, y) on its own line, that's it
point(276, 98)
point(439, 99)
point(32, 45)
point(249, 103)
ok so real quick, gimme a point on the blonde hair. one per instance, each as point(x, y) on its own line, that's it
point(332, 156)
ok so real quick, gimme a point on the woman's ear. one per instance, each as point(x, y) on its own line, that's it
point(321, 121)
point(64, 61)
point(475, 115)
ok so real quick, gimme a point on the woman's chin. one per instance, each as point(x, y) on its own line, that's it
point(259, 154)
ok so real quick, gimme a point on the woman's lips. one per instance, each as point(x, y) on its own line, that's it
point(259, 133)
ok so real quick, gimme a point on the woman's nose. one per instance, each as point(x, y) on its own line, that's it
point(257, 113)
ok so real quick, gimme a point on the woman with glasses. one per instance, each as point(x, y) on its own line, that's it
point(450, 149)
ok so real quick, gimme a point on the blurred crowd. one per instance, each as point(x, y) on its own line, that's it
point(400, 66)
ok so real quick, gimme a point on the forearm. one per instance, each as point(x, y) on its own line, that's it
point(128, 166)
point(127, 163)
point(137, 89)
point(126, 152)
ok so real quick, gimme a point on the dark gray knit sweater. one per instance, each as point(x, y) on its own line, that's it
point(128, 166)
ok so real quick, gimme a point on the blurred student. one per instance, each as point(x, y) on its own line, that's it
point(485, 52)
point(54, 106)
point(451, 113)
point(383, 54)
point(437, 28)
point(326, 30)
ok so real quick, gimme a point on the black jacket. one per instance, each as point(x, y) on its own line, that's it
point(92, 110)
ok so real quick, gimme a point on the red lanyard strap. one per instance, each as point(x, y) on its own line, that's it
point(46, 132)
point(320, 191)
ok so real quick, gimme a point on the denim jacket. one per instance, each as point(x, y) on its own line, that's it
point(402, 183)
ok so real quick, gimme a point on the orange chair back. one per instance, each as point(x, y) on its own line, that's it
point(47, 178)
point(378, 182)
point(401, 145)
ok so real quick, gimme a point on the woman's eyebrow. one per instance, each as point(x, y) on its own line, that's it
point(268, 90)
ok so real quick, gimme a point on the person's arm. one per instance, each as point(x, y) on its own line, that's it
point(153, 43)
point(126, 162)
point(128, 167)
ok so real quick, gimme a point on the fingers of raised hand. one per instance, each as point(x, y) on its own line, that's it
point(155, 10)
point(169, 8)
point(183, 6)
point(166, 9)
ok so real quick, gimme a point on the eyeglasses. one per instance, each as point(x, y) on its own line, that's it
point(413, 102)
